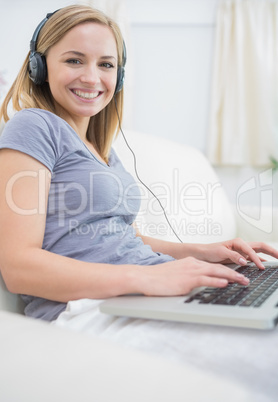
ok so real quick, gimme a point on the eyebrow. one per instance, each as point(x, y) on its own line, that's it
point(83, 55)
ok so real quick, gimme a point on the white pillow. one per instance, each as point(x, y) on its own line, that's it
point(187, 186)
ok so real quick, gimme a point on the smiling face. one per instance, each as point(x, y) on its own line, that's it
point(82, 73)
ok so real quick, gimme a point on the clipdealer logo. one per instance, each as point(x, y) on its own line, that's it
point(263, 185)
point(190, 206)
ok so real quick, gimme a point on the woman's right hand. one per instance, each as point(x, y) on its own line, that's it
point(179, 277)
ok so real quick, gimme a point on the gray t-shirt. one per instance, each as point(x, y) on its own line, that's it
point(91, 205)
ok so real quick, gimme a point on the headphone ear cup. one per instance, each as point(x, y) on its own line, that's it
point(120, 79)
point(37, 68)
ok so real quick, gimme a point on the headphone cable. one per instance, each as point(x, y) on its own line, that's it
point(137, 175)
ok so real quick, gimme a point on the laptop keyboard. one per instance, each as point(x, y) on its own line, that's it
point(262, 285)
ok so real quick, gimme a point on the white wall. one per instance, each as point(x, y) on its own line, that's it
point(18, 20)
point(172, 55)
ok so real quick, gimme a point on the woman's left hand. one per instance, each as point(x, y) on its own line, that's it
point(236, 251)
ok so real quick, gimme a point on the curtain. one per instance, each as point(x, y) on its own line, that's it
point(117, 10)
point(244, 106)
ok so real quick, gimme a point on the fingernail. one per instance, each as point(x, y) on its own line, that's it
point(242, 261)
point(242, 278)
point(245, 281)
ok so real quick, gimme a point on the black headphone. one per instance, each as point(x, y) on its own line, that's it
point(37, 63)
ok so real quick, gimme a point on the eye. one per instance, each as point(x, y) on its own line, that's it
point(73, 61)
point(107, 65)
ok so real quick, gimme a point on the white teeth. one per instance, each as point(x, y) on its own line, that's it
point(86, 95)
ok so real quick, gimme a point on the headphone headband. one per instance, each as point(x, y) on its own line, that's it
point(124, 55)
point(33, 42)
point(37, 64)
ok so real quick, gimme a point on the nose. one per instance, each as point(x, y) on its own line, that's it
point(90, 74)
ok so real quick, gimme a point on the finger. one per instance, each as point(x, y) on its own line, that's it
point(247, 249)
point(222, 272)
point(209, 281)
point(262, 259)
point(261, 247)
point(236, 257)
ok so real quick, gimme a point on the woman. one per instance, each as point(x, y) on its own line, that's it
point(67, 205)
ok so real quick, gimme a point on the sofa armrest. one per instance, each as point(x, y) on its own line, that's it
point(9, 301)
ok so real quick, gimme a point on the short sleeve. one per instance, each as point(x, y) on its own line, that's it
point(30, 132)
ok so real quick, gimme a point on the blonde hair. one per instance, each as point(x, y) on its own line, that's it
point(25, 94)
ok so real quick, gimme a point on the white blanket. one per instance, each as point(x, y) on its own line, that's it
point(245, 356)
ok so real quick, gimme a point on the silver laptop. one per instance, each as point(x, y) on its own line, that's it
point(252, 306)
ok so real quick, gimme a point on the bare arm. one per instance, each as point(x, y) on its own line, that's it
point(235, 250)
point(176, 250)
point(26, 268)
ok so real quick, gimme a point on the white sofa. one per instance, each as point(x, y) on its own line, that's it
point(40, 362)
